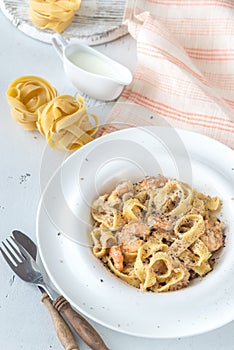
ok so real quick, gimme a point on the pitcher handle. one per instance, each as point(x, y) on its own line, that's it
point(59, 44)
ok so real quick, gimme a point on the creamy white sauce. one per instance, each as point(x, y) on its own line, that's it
point(92, 63)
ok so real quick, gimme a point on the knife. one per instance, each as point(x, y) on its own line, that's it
point(79, 324)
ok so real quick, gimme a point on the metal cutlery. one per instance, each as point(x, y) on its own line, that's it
point(23, 268)
point(22, 262)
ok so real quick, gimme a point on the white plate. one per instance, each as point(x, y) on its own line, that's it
point(96, 21)
point(80, 277)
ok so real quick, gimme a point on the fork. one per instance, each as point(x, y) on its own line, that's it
point(22, 263)
point(24, 268)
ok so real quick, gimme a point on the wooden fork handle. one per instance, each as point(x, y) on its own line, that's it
point(63, 331)
point(80, 325)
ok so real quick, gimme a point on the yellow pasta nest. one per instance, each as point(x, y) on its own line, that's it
point(27, 94)
point(56, 15)
point(63, 120)
point(157, 234)
point(65, 123)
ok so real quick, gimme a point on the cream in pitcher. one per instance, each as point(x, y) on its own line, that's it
point(90, 71)
point(93, 64)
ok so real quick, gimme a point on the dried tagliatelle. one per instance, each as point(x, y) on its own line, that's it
point(56, 15)
point(25, 95)
point(158, 234)
point(66, 124)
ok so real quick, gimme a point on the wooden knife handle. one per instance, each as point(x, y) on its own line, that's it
point(63, 331)
point(80, 325)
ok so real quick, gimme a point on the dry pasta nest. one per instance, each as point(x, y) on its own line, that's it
point(61, 119)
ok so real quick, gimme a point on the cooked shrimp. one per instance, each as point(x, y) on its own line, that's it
point(153, 182)
point(116, 254)
point(164, 225)
point(160, 222)
point(132, 231)
point(213, 237)
point(133, 246)
point(123, 188)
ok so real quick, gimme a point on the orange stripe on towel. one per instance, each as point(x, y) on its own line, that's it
point(173, 113)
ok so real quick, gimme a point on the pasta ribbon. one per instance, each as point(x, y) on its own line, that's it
point(188, 229)
point(173, 198)
point(105, 212)
point(176, 277)
point(161, 261)
point(26, 95)
point(211, 203)
point(103, 239)
point(56, 15)
point(196, 258)
point(113, 220)
point(131, 209)
point(156, 268)
point(148, 254)
point(202, 269)
point(201, 250)
point(126, 276)
point(66, 124)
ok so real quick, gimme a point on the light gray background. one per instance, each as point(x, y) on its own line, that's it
point(24, 321)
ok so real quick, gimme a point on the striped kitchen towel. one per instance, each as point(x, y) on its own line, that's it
point(185, 68)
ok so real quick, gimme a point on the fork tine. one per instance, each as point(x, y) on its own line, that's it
point(12, 266)
point(22, 249)
point(16, 261)
point(14, 249)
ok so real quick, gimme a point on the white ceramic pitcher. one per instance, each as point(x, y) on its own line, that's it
point(90, 71)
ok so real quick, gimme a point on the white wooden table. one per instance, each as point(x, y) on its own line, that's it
point(24, 321)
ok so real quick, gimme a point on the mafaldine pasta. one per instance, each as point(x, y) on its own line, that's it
point(158, 234)
point(56, 15)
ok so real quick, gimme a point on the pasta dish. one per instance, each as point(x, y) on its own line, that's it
point(157, 234)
